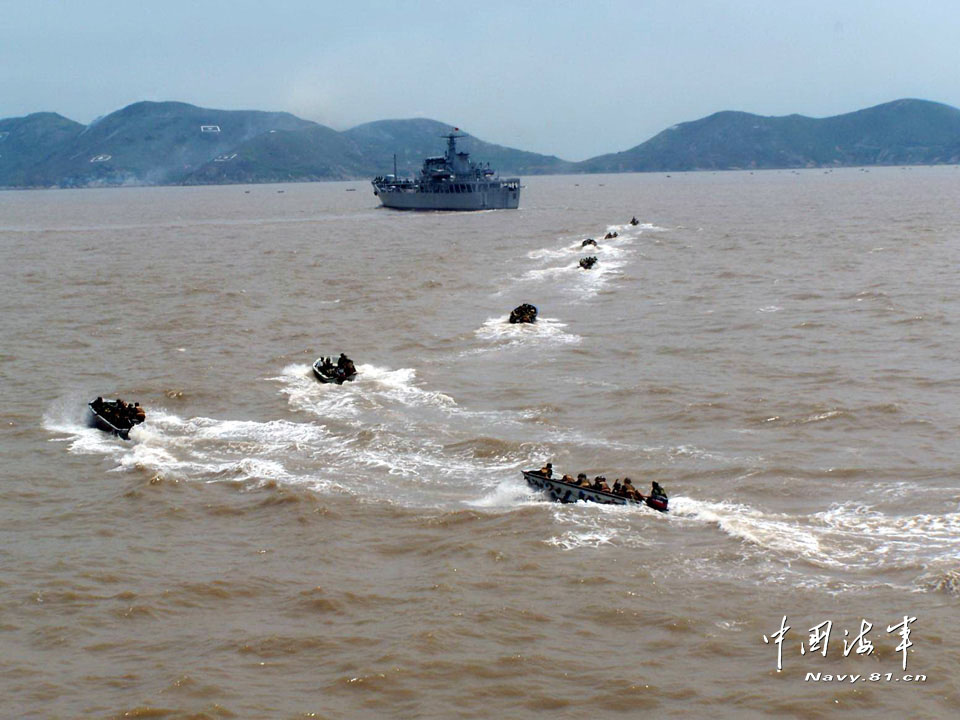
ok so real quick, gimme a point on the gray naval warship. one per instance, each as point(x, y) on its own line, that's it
point(449, 182)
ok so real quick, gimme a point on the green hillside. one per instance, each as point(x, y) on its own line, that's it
point(412, 140)
point(897, 133)
point(27, 142)
point(163, 143)
point(157, 143)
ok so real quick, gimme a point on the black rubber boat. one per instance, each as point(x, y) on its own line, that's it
point(571, 492)
point(334, 377)
point(107, 417)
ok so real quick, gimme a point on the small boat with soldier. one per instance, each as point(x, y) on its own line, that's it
point(116, 416)
point(569, 491)
point(326, 372)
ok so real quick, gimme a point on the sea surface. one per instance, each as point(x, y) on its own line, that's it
point(779, 350)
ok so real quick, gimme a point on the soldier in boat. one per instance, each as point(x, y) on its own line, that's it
point(346, 365)
point(656, 491)
point(600, 483)
point(630, 491)
point(547, 470)
point(116, 412)
point(582, 480)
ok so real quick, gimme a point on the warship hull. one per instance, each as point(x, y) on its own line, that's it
point(449, 182)
point(415, 199)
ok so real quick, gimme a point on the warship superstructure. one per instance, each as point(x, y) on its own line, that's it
point(449, 182)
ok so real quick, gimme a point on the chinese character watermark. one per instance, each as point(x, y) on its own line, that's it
point(863, 646)
point(819, 634)
point(904, 636)
point(778, 640)
point(818, 639)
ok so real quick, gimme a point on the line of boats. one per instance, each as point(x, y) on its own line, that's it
point(447, 182)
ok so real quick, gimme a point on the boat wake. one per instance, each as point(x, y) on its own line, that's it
point(366, 463)
point(387, 422)
point(561, 264)
point(376, 389)
point(507, 495)
point(204, 449)
point(590, 525)
point(385, 438)
point(504, 334)
point(844, 547)
point(75, 421)
point(854, 538)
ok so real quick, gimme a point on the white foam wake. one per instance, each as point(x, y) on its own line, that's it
point(544, 330)
point(200, 448)
point(507, 495)
point(590, 525)
point(849, 536)
point(375, 388)
point(561, 264)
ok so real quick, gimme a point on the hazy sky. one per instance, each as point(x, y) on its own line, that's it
point(573, 79)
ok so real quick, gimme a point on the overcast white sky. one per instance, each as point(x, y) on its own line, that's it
point(567, 78)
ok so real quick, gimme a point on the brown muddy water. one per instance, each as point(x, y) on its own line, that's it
point(778, 349)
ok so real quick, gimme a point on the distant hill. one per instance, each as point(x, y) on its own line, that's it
point(903, 132)
point(312, 153)
point(154, 143)
point(413, 140)
point(319, 153)
point(163, 143)
point(27, 142)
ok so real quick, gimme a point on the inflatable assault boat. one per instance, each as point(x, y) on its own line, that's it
point(332, 377)
point(566, 492)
